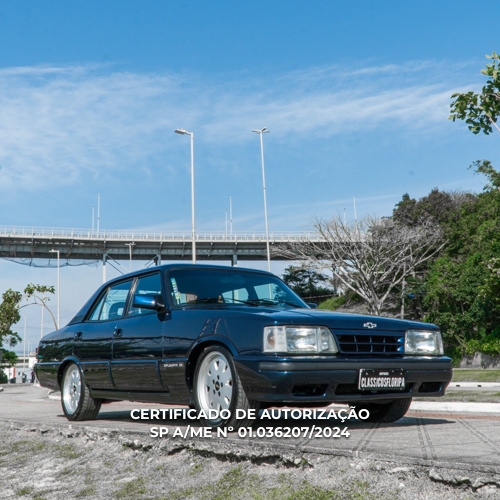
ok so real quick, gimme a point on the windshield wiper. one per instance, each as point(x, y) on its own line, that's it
point(248, 302)
point(272, 302)
point(208, 300)
point(220, 300)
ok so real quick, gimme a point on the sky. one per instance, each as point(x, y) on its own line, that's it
point(356, 96)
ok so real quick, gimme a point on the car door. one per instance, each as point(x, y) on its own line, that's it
point(137, 342)
point(94, 341)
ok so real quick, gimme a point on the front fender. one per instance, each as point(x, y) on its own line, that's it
point(198, 347)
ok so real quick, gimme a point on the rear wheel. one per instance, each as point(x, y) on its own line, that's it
point(383, 413)
point(75, 396)
point(218, 392)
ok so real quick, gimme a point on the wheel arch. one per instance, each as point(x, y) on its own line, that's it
point(198, 348)
point(62, 368)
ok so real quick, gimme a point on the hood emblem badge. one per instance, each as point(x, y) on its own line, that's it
point(370, 325)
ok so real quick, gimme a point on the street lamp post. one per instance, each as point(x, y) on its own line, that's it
point(231, 215)
point(98, 212)
point(130, 245)
point(260, 132)
point(184, 132)
point(58, 289)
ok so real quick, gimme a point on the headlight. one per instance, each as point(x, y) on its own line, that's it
point(299, 339)
point(423, 342)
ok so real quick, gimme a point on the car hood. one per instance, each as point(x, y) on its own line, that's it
point(341, 321)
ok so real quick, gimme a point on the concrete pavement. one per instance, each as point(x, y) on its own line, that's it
point(428, 406)
point(451, 435)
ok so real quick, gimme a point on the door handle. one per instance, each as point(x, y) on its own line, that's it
point(117, 332)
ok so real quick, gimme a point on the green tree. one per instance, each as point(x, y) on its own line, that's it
point(37, 293)
point(463, 284)
point(307, 283)
point(437, 208)
point(9, 315)
point(480, 111)
point(404, 213)
point(485, 167)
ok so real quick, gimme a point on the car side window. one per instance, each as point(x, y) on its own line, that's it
point(112, 304)
point(94, 315)
point(149, 285)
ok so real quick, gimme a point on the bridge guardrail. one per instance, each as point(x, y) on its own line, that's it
point(25, 231)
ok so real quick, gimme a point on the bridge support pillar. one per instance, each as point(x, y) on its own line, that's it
point(234, 261)
point(104, 259)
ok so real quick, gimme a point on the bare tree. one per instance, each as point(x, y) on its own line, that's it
point(371, 257)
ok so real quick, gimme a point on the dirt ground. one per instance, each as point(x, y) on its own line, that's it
point(65, 463)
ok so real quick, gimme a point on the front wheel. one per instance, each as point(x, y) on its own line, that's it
point(75, 396)
point(384, 413)
point(218, 391)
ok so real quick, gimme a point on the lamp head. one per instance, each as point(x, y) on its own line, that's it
point(262, 130)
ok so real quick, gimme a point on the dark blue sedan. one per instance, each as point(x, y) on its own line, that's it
point(224, 338)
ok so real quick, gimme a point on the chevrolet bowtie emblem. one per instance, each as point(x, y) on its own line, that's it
point(369, 325)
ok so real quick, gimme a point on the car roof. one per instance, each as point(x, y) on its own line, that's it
point(166, 267)
point(163, 268)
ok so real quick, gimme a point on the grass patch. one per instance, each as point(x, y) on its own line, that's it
point(86, 492)
point(237, 484)
point(197, 467)
point(466, 396)
point(66, 451)
point(332, 304)
point(66, 471)
point(20, 451)
point(23, 446)
point(25, 491)
point(132, 489)
point(467, 375)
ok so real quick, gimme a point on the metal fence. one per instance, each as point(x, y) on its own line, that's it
point(130, 234)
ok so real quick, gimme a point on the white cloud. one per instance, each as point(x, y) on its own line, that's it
point(64, 123)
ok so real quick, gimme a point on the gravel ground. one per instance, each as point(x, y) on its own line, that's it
point(64, 463)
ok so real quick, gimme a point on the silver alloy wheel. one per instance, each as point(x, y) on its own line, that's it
point(215, 382)
point(72, 389)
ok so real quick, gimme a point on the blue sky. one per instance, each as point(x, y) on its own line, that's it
point(356, 96)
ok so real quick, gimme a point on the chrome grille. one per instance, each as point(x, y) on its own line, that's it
point(370, 343)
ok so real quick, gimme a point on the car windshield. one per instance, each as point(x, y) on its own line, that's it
point(206, 286)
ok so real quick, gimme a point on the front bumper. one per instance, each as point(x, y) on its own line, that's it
point(307, 380)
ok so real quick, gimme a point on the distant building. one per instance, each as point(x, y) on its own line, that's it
point(24, 366)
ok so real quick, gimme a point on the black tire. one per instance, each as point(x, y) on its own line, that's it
point(384, 413)
point(75, 396)
point(217, 386)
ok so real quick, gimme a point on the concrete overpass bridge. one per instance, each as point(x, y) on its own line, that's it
point(25, 244)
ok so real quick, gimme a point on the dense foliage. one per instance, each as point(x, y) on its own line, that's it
point(307, 284)
point(9, 315)
point(463, 285)
point(460, 289)
point(480, 111)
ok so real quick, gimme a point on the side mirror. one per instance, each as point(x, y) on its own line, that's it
point(154, 302)
point(312, 305)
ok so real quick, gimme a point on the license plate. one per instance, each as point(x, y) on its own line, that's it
point(381, 380)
